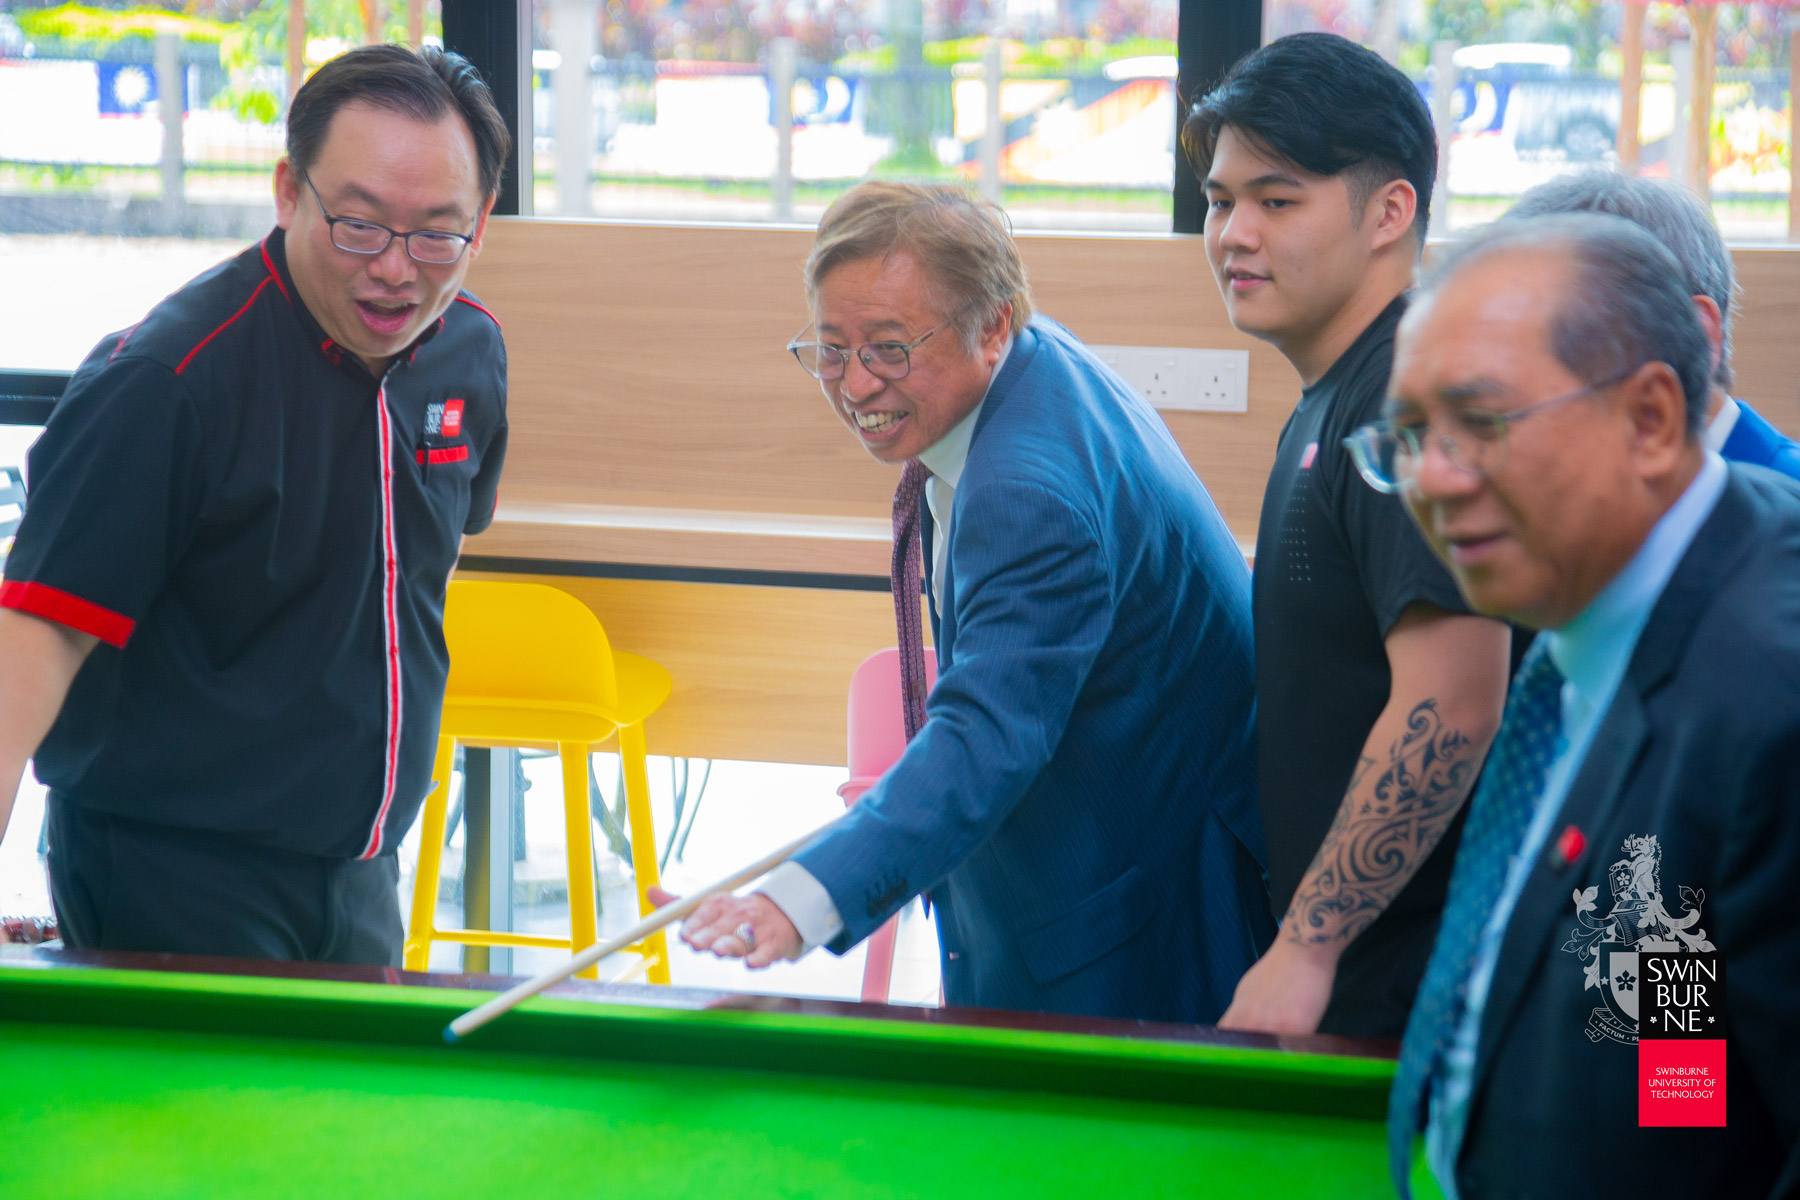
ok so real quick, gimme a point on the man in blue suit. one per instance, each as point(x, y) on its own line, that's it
point(1079, 798)
point(1733, 430)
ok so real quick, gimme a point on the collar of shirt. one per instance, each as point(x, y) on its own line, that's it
point(1592, 650)
point(946, 457)
point(1718, 430)
point(275, 253)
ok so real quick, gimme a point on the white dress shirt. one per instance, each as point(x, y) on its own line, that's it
point(1592, 652)
point(795, 891)
point(1718, 430)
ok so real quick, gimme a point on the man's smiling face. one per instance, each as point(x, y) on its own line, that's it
point(388, 168)
point(890, 300)
point(1285, 247)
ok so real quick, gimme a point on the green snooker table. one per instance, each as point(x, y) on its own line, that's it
point(181, 1081)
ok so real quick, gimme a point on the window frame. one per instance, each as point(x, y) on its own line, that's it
point(495, 36)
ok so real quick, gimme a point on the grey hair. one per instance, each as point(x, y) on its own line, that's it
point(1672, 214)
point(1627, 304)
point(963, 243)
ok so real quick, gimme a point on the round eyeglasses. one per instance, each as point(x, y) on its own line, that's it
point(884, 360)
point(1388, 454)
point(430, 246)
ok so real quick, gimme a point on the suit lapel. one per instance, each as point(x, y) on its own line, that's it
point(928, 555)
point(943, 624)
point(1545, 906)
point(1724, 539)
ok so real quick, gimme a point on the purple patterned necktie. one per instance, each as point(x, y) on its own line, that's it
point(906, 576)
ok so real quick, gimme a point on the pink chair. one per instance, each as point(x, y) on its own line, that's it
point(877, 738)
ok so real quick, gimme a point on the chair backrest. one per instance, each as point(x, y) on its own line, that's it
point(877, 726)
point(12, 500)
point(525, 643)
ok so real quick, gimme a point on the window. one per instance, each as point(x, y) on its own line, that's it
point(1534, 88)
point(105, 205)
point(678, 108)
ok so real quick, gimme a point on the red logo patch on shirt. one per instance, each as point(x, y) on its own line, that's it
point(453, 418)
point(1306, 459)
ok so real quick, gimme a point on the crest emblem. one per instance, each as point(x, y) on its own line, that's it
point(1619, 981)
point(1638, 922)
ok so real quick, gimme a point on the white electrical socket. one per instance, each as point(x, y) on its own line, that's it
point(1177, 378)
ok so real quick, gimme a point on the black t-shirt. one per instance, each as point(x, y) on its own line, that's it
point(1337, 563)
point(259, 532)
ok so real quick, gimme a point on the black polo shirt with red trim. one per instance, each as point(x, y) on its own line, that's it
point(260, 532)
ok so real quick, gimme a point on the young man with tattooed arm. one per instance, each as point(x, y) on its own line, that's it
point(1377, 690)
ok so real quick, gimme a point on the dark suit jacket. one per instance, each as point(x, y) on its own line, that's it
point(1701, 748)
point(1081, 802)
point(1754, 440)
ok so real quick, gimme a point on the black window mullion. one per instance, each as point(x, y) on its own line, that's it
point(1212, 35)
point(489, 34)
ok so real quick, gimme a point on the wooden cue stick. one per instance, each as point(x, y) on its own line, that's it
point(668, 914)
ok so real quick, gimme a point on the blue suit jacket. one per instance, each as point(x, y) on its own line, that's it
point(1081, 802)
point(1754, 440)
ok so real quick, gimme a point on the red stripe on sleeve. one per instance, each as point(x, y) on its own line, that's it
point(448, 455)
point(53, 604)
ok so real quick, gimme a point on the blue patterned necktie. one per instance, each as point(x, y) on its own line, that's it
point(1530, 740)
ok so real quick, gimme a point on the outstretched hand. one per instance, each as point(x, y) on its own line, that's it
point(719, 926)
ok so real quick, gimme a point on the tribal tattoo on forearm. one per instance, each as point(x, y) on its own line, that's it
point(1384, 831)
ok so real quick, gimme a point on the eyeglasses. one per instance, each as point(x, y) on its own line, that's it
point(884, 360)
point(430, 246)
point(1388, 456)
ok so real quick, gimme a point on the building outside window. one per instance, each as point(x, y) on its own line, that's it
point(1534, 88)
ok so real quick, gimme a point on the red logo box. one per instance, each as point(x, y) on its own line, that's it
point(1681, 1082)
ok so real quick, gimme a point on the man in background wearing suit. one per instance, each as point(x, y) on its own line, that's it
point(1544, 428)
point(1079, 797)
point(1734, 430)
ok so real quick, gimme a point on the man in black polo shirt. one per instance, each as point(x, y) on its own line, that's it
point(221, 627)
point(1377, 693)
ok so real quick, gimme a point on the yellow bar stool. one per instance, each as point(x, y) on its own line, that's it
point(531, 666)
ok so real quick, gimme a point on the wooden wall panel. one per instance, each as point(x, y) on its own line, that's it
point(648, 369)
point(1767, 334)
point(648, 372)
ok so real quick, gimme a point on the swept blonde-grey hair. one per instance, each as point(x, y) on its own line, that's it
point(963, 243)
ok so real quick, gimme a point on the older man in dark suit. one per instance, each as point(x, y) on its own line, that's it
point(1544, 428)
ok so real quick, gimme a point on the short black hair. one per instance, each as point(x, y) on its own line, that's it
point(1328, 106)
point(423, 84)
point(1627, 304)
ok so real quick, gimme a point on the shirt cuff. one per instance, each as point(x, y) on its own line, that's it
point(803, 900)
